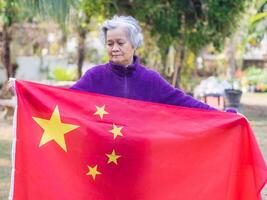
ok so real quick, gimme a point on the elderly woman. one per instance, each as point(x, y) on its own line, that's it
point(124, 76)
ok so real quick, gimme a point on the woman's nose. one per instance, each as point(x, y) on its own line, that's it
point(115, 47)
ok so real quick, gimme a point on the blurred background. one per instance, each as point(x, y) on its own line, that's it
point(214, 50)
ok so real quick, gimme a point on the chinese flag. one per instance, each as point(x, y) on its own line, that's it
point(73, 145)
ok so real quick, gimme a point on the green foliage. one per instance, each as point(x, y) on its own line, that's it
point(55, 9)
point(9, 10)
point(12, 11)
point(198, 23)
point(63, 74)
point(86, 10)
point(257, 18)
point(188, 79)
point(256, 28)
point(256, 77)
point(223, 17)
point(252, 74)
point(92, 7)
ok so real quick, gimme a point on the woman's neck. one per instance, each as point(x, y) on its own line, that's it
point(131, 62)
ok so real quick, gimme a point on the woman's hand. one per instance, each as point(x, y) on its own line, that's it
point(11, 86)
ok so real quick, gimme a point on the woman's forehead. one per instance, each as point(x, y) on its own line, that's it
point(117, 33)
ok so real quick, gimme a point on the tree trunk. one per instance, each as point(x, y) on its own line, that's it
point(231, 59)
point(81, 50)
point(6, 52)
point(179, 60)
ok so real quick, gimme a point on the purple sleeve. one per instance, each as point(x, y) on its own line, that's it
point(83, 84)
point(231, 110)
point(170, 95)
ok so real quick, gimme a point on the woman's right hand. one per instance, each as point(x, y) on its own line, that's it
point(11, 86)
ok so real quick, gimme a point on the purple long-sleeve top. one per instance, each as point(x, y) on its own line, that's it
point(134, 82)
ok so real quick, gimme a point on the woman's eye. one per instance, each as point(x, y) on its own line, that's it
point(110, 44)
point(120, 43)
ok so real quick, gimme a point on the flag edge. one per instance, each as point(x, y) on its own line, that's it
point(13, 151)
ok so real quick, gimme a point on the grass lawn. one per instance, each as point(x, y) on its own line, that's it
point(5, 158)
point(254, 107)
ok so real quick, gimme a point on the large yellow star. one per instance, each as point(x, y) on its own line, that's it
point(54, 129)
point(100, 111)
point(113, 157)
point(116, 131)
point(93, 171)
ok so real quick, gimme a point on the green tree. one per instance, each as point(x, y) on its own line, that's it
point(256, 26)
point(250, 30)
point(8, 17)
point(13, 11)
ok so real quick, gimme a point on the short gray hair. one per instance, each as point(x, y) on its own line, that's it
point(134, 31)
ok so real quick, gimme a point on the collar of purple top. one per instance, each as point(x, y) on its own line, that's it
point(125, 71)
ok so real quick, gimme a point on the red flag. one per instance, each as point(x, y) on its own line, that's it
point(75, 145)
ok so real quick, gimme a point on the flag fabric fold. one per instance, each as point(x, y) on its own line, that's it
point(76, 145)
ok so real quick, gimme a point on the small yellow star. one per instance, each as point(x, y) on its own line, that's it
point(54, 129)
point(116, 131)
point(113, 157)
point(93, 171)
point(100, 111)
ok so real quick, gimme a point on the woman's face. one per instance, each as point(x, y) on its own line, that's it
point(120, 49)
